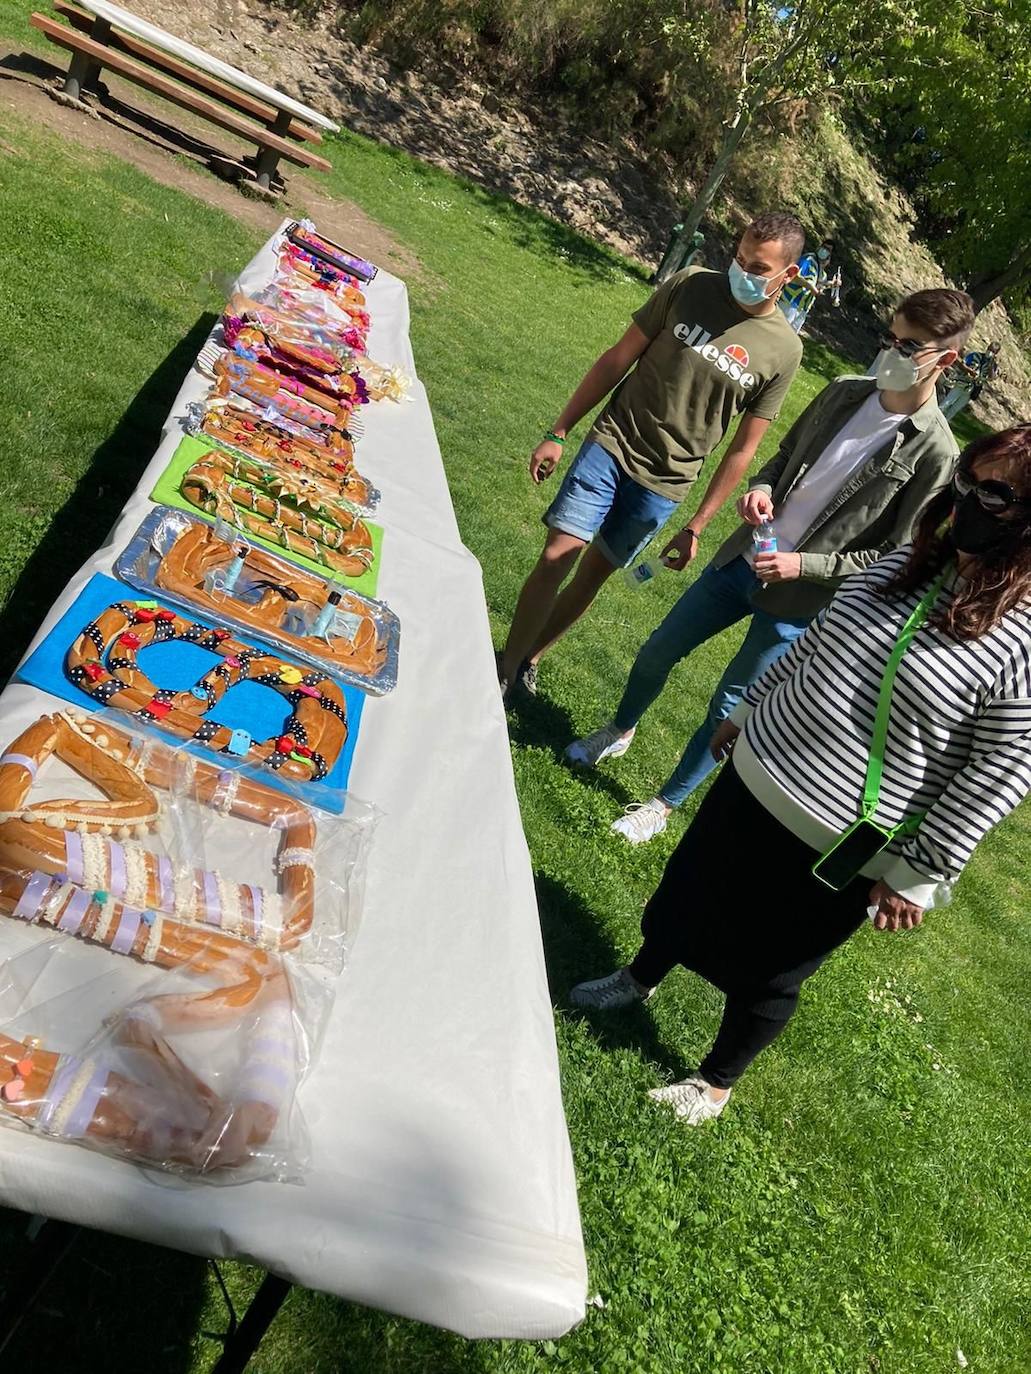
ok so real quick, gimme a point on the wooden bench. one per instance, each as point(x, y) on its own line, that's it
point(191, 76)
point(104, 48)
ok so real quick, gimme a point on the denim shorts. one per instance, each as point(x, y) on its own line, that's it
point(598, 501)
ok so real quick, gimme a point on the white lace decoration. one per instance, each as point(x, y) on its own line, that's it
point(106, 921)
point(153, 946)
point(295, 857)
point(185, 902)
point(271, 919)
point(225, 794)
point(76, 1088)
point(136, 874)
point(94, 861)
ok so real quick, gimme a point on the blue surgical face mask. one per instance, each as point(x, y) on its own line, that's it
point(823, 254)
point(746, 287)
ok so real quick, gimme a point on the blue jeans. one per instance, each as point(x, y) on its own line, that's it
point(598, 500)
point(718, 599)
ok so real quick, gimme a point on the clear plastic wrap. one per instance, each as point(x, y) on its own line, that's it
point(233, 908)
point(306, 462)
point(218, 573)
point(194, 1072)
point(303, 235)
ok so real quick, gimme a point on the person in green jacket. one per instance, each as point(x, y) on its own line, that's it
point(846, 487)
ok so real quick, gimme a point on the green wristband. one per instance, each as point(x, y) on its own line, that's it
point(555, 438)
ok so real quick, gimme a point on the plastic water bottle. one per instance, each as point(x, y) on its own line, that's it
point(639, 574)
point(764, 538)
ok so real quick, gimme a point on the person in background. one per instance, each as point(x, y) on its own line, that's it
point(976, 370)
point(845, 487)
point(956, 757)
point(706, 347)
point(799, 296)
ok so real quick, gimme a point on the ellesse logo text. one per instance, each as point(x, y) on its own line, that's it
point(733, 360)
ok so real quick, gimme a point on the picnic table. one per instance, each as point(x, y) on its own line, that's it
point(102, 36)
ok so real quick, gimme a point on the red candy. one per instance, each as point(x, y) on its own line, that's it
point(158, 708)
point(145, 616)
point(94, 671)
point(285, 745)
point(220, 635)
point(166, 616)
point(130, 640)
point(303, 750)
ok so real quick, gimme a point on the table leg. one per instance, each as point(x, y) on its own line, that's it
point(267, 159)
point(265, 166)
point(84, 70)
point(42, 1258)
point(244, 1341)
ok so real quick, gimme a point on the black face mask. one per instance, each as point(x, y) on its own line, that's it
point(977, 532)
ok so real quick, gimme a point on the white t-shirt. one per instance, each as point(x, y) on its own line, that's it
point(868, 430)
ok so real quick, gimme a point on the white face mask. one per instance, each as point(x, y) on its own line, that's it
point(895, 372)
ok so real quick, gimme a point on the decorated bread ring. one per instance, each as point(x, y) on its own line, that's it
point(106, 668)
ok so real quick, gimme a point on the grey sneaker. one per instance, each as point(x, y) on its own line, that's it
point(607, 743)
point(526, 678)
point(690, 1099)
point(619, 989)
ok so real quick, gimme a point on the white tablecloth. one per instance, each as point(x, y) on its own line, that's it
point(441, 1184)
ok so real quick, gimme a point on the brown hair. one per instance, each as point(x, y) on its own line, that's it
point(946, 314)
point(778, 224)
point(999, 580)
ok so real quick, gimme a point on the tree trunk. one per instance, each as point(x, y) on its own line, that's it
point(990, 287)
point(681, 246)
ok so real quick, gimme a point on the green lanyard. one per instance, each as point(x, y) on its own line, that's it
point(875, 767)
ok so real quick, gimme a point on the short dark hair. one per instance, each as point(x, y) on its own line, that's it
point(827, 243)
point(946, 314)
point(777, 224)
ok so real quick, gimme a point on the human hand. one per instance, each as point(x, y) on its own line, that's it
point(755, 507)
point(545, 459)
point(680, 550)
point(778, 567)
point(722, 744)
point(893, 912)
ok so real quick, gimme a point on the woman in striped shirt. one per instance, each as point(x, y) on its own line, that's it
point(957, 759)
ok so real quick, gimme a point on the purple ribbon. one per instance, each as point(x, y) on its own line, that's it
point(31, 899)
point(71, 917)
point(212, 904)
point(259, 1082)
point(74, 861)
point(116, 886)
point(128, 925)
point(30, 765)
point(82, 1113)
point(166, 888)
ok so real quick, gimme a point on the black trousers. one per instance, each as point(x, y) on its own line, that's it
point(739, 905)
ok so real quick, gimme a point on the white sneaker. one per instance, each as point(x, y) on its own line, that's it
point(607, 743)
point(618, 990)
point(690, 1099)
point(642, 821)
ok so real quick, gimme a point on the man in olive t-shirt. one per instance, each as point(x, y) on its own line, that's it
point(707, 346)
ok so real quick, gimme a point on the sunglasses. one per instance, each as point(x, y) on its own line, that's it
point(909, 348)
point(993, 497)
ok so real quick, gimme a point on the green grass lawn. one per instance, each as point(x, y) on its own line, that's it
point(863, 1205)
